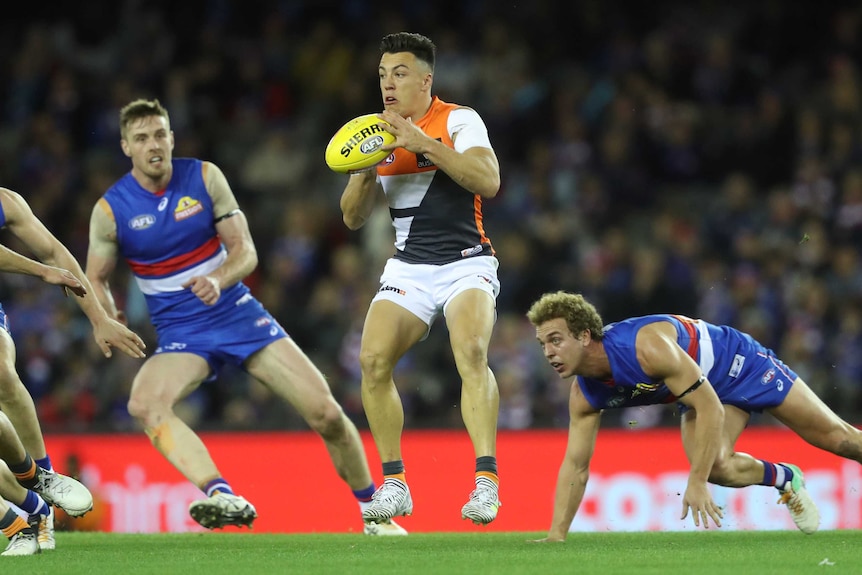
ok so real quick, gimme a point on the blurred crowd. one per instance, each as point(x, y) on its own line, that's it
point(698, 157)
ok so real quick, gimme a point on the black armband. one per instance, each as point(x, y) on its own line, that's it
point(230, 214)
point(694, 386)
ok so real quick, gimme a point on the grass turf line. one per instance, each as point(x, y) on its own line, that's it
point(703, 553)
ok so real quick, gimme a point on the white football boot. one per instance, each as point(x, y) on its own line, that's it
point(392, 499)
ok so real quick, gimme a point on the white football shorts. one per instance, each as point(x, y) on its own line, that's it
point(425, 290)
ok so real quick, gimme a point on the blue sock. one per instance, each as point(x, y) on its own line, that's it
point(217, 485)
point(776, 474)
point(34, 505)
point(365, 494)
point(45, 463)
point(768, 473)
point(783, 478)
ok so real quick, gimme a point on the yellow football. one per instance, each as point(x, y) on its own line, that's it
point(356, 145)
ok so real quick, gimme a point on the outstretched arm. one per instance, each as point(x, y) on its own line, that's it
point(575, 469)
point(13, 262)
point(661, 356)
point(32, 232)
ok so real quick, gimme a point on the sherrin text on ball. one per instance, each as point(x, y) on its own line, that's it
point(357, 145)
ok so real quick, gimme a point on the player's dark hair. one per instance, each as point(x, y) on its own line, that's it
point(141, 109)
point(579, 314)
point(417, 44)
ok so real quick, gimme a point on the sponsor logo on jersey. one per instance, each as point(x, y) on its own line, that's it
point(186, 208)
point(163, 204)
point(243, 300)
point(397, 290)
point(471, 251)
point(768, 377)
point(423, 162)
point(142, 222)
point(736, 366)
point(645, 388)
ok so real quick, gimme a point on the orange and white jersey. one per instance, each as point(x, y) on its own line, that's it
point(436, 221)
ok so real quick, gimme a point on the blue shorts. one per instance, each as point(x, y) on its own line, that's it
point(762, 382)
point(227, 338)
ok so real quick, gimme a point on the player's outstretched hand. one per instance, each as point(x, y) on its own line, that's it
point(64, 279)
point(111, 333)
point(698, 498)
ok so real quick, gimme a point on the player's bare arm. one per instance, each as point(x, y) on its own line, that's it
point(13, 262)
point(234, 233)
point(21, 221)
point(25, 226)
point(102, 257)
point(661, 356)
point(477, 169)
point(574, 472)
point(359, 197)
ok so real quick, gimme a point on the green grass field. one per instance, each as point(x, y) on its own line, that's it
point(694, 553)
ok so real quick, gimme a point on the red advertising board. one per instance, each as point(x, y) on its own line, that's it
point(636, 481)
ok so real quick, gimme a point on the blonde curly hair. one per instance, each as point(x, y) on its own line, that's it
point(579, 314)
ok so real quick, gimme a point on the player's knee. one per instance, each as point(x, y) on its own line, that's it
point(375, 367)
point(328, 421)
point(144, 408)
point(848, 443)
point(471, 357)
point(12, 390)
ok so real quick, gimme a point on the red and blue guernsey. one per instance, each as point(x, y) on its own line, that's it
point(169, 237)
point(743, 372)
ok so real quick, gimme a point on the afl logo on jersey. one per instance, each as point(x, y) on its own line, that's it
point(142, 222)
point(389, 159)
point(186, 208)
point(767, 377)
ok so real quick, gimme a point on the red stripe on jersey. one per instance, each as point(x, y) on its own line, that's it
point(178, 263)
point(694, 338)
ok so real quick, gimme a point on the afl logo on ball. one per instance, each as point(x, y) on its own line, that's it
point(371, 145)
